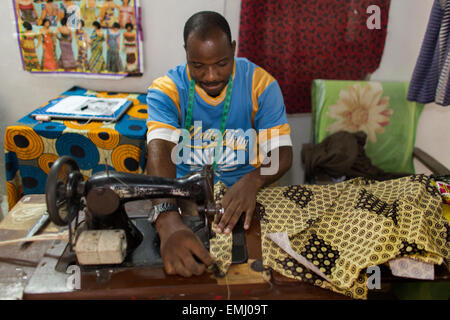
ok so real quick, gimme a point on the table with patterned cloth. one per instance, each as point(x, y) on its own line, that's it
point(31, 146)
point(330, 235)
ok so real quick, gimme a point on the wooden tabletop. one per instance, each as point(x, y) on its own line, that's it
point(242, 281)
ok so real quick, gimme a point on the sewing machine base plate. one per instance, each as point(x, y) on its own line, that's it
point(147, 254)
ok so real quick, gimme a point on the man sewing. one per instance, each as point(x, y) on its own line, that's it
point(219, 100)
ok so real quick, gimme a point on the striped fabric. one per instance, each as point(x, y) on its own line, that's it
point(430, 79)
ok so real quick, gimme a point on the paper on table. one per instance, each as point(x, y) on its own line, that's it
point(84, 105)
point(409, 268)
point(282, 240)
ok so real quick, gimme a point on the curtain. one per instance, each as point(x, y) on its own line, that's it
point(298, 41)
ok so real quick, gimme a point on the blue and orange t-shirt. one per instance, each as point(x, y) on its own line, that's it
point(256, 122)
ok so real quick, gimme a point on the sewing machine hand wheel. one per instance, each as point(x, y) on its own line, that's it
point(63, 191)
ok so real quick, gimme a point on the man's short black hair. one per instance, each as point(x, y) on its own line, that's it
point(204, 23)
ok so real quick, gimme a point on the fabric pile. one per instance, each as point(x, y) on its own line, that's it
point(328, 235)
point(342, 154)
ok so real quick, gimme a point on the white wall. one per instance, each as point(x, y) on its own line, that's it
point(163, 21)
point(406, 27)
point(407, 24)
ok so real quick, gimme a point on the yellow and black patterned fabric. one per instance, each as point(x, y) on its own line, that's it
point(31, 146)
point(221, 244)
point(342, 229)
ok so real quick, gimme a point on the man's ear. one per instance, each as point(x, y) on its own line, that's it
point(233, 47)
point(185, 51)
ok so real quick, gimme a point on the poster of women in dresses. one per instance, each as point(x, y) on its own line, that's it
point(95, 38)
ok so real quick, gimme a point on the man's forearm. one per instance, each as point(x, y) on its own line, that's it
point(159, 163)
point(179, 245)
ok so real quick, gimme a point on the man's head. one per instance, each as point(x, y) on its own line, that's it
point(209, 51)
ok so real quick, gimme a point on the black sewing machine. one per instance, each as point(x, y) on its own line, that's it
point(103, 198)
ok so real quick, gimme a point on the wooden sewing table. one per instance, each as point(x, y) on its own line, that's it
point(242, 282)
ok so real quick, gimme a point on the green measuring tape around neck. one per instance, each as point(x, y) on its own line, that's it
point(226, 107)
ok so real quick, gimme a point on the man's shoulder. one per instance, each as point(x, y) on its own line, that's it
point(244, 65)
point(175, 78)
point(178, 73)
point(252, 69)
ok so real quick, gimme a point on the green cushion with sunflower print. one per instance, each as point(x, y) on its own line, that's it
point(380, 109)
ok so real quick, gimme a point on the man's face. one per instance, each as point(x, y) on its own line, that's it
point(210, 61)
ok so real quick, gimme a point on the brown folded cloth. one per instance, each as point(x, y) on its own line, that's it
point(342, 154)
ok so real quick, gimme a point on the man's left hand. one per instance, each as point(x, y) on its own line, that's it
point(239, 199)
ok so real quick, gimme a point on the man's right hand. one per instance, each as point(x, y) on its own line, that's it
point(180, 246)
